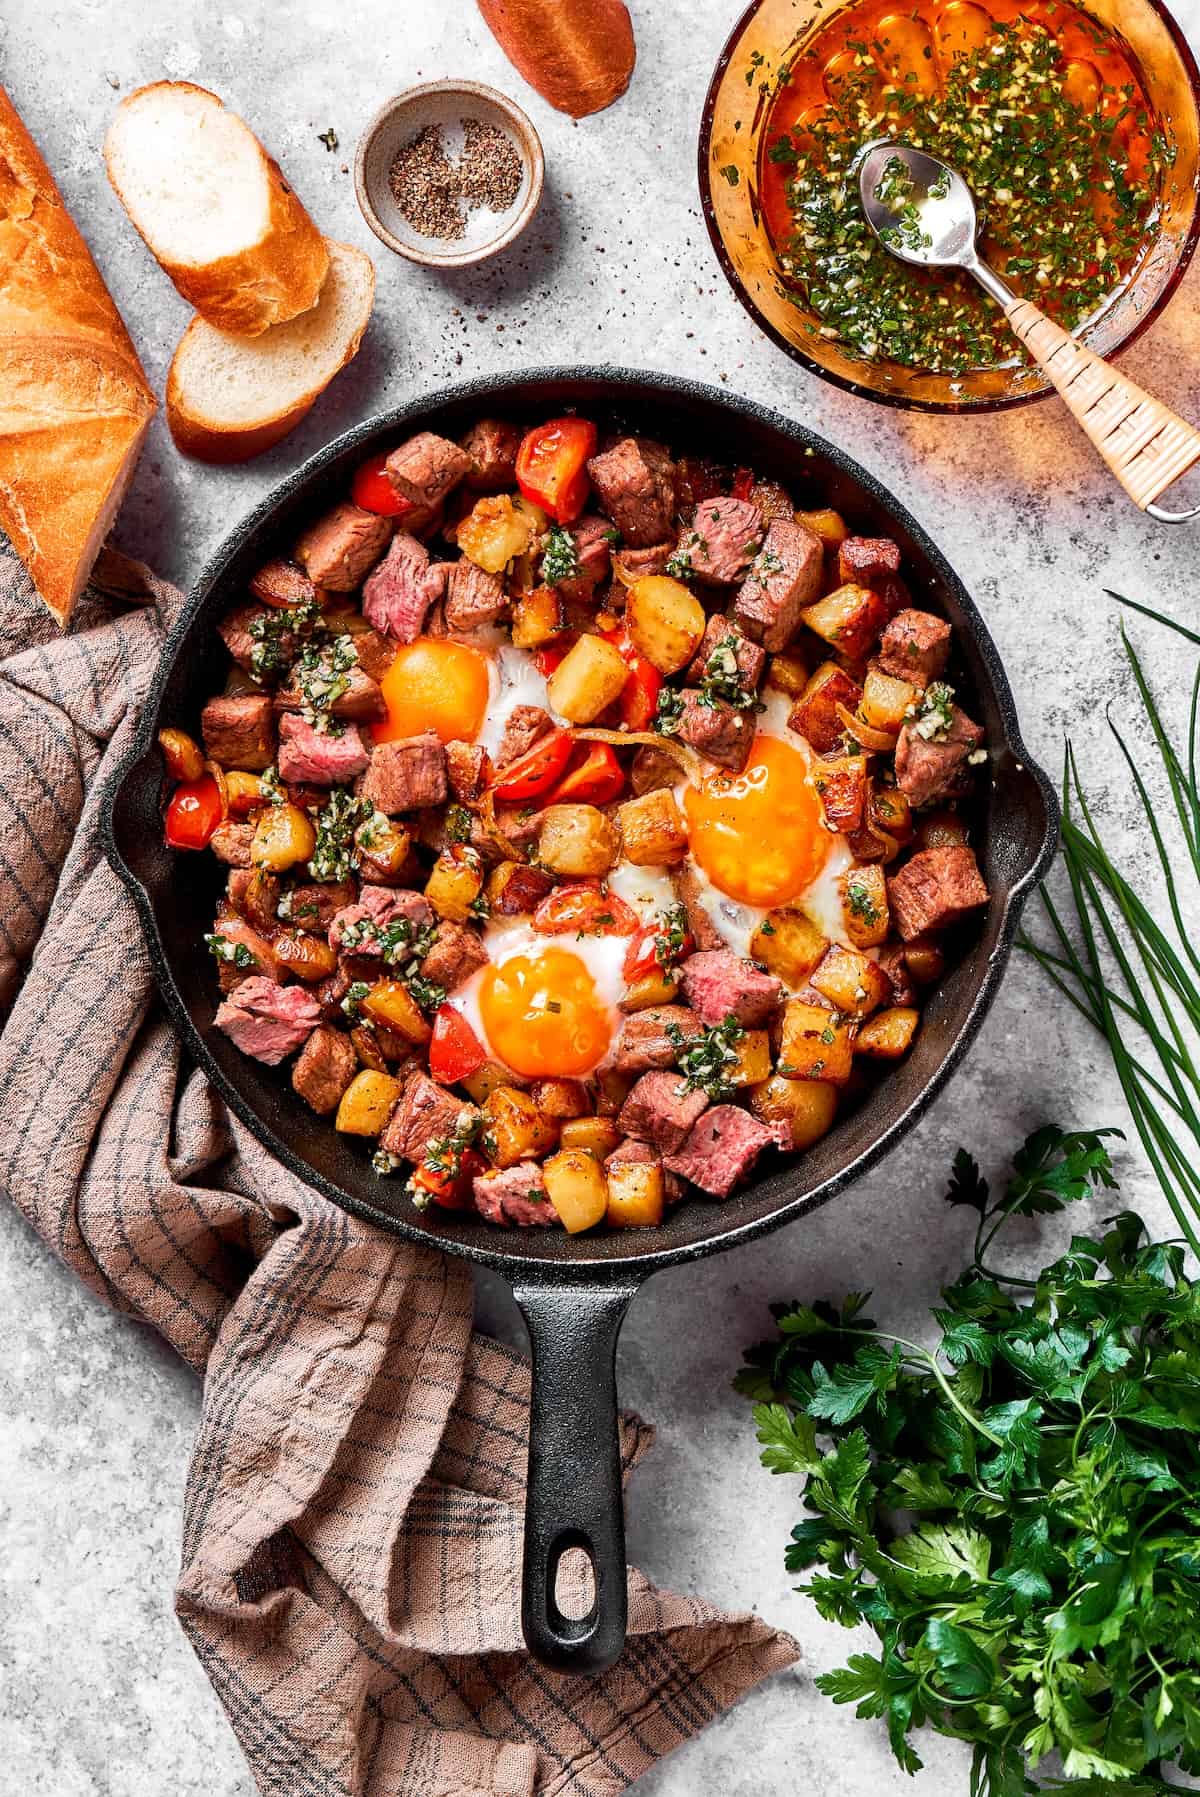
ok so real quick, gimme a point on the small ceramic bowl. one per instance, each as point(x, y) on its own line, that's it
point(445, 103)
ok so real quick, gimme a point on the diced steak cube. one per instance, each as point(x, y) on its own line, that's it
point(376, 652)
point(473, 596)
point(772, 501)
point(935, 889)
point(362, 700)
point(893, 963)
point(406, 774)
point(425, 1113)
point(467, 768)
point(260, 897)
point(230, 843)
point(324, 1068)
point(424, 469)
point(242, 934)
point(283, 584)
point(515, 1195)
point(929, 771)
point(787, 575)
point(647, 1037)
point(701, 928)
point(268, 1021)
point(592, 537)
point(719, 984)
point(717, 729)
point(720, 543)
point(338, 550)
point(867, 561)
point(402, 588)
point(234, 631)
point(306, 754)
point(491, 445)
point(636, 483)
point(313, 907)
point(525, 725)
point(456, 954)
point(634, 564)
point(749, 658)
point(381, 905)
point(661, 1110)
point(915, 647)
point(721, 1149)
point(239, 730)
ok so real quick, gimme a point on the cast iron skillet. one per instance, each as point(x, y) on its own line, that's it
point(574, 1290)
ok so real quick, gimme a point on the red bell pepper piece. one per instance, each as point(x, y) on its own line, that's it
point(546, 659)
point(743, 483)
point(450, 1189)
point(535, 772)
point(584, 911)
point(193, 814)
point(638, 699)
point(373, 491)
point(653, 951)
point(455, 1051)
point(552, 466)
point(598, 779)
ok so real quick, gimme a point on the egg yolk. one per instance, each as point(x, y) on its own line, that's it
point(543, 1015)
point(759, 835)
point(434, 685)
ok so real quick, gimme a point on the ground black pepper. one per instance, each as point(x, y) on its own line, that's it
point(431, 190)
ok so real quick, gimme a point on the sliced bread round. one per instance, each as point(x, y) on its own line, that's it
point(213, 207)
point(229, 398)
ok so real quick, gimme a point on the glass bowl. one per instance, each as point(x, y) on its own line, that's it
point(736, 110)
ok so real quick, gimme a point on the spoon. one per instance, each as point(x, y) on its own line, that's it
point(923, 212)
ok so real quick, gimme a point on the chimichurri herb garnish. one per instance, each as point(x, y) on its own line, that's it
point(560, 558)
point(1064, 207)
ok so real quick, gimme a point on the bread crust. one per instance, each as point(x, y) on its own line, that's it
point(270, 281)
point(209, 440)
point(74, 402)
point(578, 54)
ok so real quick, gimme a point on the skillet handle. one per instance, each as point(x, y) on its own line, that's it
point(574, 1495)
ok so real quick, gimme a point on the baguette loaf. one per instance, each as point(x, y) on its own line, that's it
point(578, 54)
point(213, 208)
point(74, 403)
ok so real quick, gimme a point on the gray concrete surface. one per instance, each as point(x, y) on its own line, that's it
point(99, 1695)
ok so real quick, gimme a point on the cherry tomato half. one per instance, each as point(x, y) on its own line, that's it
point(584, 910)
point(373, 491)
point(552, 466)
point(597, 779)
point(451, 1190)
point(455, 1051)
point(547, 658)
point(193, 813)
point(535, 772)
point(638, 699)
point(643, 957)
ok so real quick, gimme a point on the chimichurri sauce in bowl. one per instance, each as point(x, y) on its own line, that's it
point(1042, 111)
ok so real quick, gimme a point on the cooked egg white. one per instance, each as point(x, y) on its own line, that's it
point(512, 680)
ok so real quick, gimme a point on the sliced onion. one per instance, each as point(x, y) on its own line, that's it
point(218, 774)
point(686, 756)
point(879, 742)
point(485, 811)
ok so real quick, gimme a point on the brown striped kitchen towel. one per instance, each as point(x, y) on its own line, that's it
point(352, 1530)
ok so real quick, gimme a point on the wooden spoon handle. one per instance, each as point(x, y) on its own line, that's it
point(1144, 443)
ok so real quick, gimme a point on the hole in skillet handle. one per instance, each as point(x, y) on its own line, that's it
point(574, 1498)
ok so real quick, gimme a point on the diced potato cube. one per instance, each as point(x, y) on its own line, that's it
point(865, 906)
point(577, 1189)
point(808, 1106)
point(455, 882)
point(595, 1135)
point(814, 715)
point(577, 840)
point(789, 945)
point(367, 1103)
point(390, 1003)
point(925, 960)
point(515, 888)
point(886, 700)
point(850, 619)
point(559, 1098)
point(841, 783)
point(888, 1035)
point(815, 1043)
point(308, 958)
point(589, 677)
point(513, 1127)
point(386, 842)
point(826, 524)
point(182, 753)
point(494, 533)
point(652, 829)
point(888, 809)
point(851, 982)
point(665, 621)
point(752, 1059)
point(243, 792)
point(283, 837)
point(657, 988)
point(788, 672)
point(536, 618)
point(483, 1082)
point(612, 1089)
point(941, 829)
point(635, 1195)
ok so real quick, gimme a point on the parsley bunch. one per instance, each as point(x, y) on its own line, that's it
point(1015, 1511)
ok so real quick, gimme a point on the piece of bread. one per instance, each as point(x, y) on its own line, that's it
point(578, 54)
point(74, 403)
point(213, 208)
point(229, 398)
